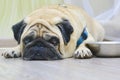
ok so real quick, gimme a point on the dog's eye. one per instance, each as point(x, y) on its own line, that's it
point(27, 40)
point(54, 41)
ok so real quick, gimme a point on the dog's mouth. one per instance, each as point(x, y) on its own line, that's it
point(40, 49)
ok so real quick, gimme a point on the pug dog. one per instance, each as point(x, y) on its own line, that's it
point(55, 32)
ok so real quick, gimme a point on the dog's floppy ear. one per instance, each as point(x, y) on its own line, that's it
point(18, 30)
point(66, 30)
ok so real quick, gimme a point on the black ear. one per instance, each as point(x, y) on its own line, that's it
point(66, 30)
point(18, 30)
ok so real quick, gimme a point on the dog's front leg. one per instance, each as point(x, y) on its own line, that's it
point(13, 52)
point(82, 50)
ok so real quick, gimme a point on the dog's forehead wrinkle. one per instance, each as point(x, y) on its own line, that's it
point(41, 30)
point(45, 32)
point(39, 26)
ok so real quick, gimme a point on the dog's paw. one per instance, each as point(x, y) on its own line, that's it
point(83, 53)
point(11, 53)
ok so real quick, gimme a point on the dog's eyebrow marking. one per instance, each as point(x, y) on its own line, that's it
point(43, 26)
point(29, 37)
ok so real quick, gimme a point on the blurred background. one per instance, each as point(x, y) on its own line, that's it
point(12, 11)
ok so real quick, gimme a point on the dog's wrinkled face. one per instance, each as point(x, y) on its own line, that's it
point(40, 42)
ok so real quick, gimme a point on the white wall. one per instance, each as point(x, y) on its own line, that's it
point(99, 6)
point(14, 10)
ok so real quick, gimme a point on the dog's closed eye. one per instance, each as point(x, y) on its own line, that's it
point(54, 41)
point(27, 39)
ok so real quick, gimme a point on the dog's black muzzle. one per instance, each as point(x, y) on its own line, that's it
point(40, 49)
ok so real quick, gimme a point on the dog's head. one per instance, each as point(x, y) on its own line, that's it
point(43, 39)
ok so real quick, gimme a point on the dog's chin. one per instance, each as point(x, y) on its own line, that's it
point(40, 50)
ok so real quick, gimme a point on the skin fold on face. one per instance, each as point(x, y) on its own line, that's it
point(41, 43)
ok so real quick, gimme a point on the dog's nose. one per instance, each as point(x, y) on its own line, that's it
point(40, 53)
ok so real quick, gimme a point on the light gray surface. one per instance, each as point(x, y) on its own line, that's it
point(67, 69)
